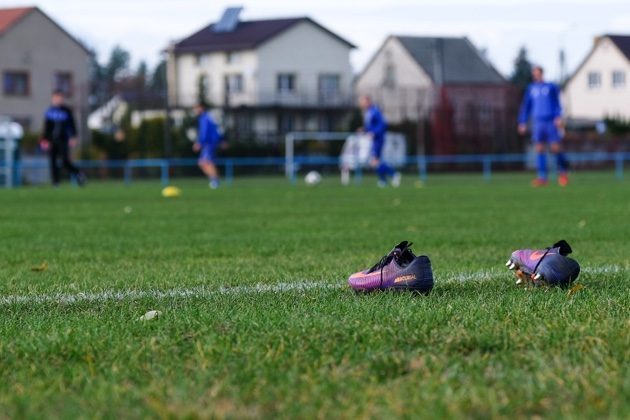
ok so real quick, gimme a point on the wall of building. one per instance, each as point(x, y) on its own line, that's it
point(411, 93)
point(215, 66)
point(308, 52)
point(583, 102)
point(39, 47)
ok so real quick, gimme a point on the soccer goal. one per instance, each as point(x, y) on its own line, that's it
point(354, 156)
point(10, 134)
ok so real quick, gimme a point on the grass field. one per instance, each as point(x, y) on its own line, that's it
point(256, 319)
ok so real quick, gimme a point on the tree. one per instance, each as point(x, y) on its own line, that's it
point(522, 74)
point(116, 68)
point(158, 78)
point(142, 75)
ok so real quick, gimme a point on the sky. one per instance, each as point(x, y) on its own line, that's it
point(501, 27)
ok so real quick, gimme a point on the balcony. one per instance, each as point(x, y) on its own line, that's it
point(271, 99)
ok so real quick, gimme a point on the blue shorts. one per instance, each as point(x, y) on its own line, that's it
point(545, 132)
point(377, 148)
point(207, 154)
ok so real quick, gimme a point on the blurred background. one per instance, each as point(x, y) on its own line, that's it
point(448, 74)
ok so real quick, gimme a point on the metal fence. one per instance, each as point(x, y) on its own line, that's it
point(423, 165)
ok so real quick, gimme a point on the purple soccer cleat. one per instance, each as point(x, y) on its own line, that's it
point(549, 266)
point(398, 270)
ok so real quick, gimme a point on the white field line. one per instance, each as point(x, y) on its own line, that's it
point(261, 288)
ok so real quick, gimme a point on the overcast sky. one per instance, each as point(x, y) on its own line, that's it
point(144, 27)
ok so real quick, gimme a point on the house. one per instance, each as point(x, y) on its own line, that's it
point(38, 56)
point(600, 88)
point(447, 83)
point(267, 77)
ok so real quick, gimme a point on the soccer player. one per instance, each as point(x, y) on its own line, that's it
point(376, 127)
point(59, 137)
point(541, 103)
point(208, 138)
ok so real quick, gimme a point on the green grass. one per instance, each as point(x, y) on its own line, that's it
point(477, 347)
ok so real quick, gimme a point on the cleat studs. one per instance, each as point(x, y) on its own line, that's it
point(519, 281)
point(508, 263)
point(512, 266)
point(537, 276)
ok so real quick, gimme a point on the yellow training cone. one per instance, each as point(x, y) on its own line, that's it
point(171, 191)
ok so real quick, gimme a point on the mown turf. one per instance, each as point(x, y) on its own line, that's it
point(476, 347)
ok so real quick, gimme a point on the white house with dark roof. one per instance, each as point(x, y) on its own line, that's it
point(410, 77)
point(406, 70)
point(266, 76)
point(37, 56)
point(600, 87)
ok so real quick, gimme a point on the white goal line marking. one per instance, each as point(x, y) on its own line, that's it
point(208, 291)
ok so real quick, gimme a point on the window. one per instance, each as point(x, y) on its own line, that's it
point(286, 123)
point(202, 59)
point(16, 83)
point(594, 80)
point(618, 79)
point(234, 83)
point(233, 57)
point(63, 82)
point(25, 122)
point(326, 123)
point(203, 88)
point(389, 78)
point(329, 85)
point(286, 83)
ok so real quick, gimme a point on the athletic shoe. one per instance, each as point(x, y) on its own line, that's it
point(398, 270)
point(557, 270)
point(396, 179)
point(345, 177)
point(214, 184)
point(544, 266)
point(381, 184)
point(563, 180)
point(81, 179)
point(539, 182)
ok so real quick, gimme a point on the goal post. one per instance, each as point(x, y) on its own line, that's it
point(293, 137)
point(355, 154)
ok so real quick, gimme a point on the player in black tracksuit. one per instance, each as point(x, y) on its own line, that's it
point(59, 136)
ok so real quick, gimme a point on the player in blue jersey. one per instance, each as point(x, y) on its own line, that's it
point(541, 104)
point(58, 137)
point(374, 125)
point(208, 139)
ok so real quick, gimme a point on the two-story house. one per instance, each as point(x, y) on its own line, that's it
point(600, 88)
point(447, 84)
point(36, 57)
point(268, 77)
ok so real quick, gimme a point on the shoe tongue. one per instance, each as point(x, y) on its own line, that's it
point(402, 253)
point(400, 248)
point(565, 248)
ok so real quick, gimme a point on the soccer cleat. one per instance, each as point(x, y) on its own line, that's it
point(563, 180)
point(557, 270)
point(539, 182)
point(81, 179)
point(396, 179)
point(544, 266)
point(381, 184)
point(398, 270)
point(345, 177)
point(214, 184)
